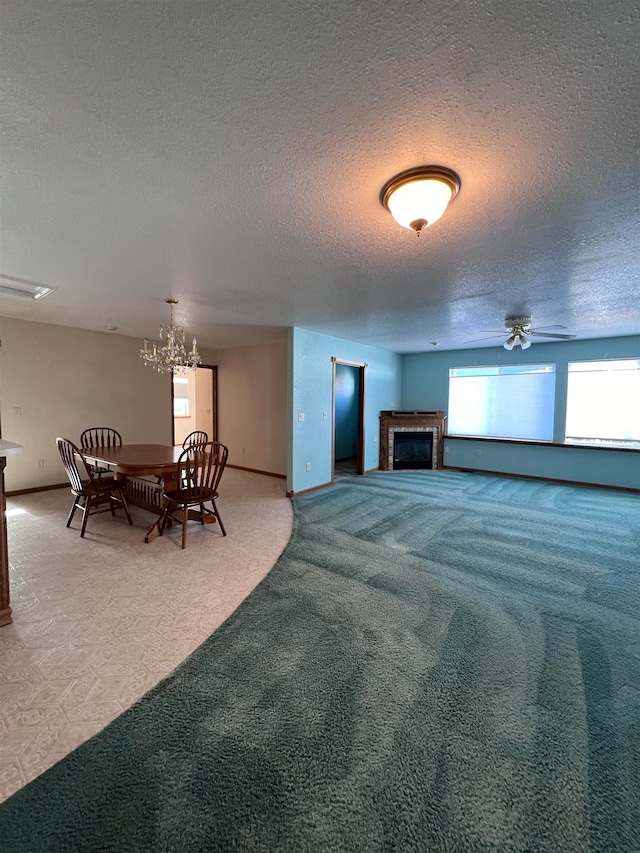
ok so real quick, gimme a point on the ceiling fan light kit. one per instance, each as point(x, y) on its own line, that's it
point(520, 333)
point(520, 328)
point(416, 198)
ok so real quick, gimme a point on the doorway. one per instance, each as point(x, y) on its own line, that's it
point(194, 403)
point(348, 419)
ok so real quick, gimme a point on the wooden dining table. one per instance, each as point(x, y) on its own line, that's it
point(134, 462)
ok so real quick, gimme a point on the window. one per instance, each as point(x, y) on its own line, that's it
point(180, 397)
point(180, 407)
point(603, 403)
point(502, 401)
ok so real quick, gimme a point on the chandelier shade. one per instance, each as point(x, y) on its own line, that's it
point(418, 197)
point(170, 355)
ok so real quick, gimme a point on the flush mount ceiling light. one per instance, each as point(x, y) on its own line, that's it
point(418, 197)
point(172, 355)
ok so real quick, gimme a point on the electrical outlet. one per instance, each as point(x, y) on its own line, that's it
point(40, 463)
point(324, 416)
point(244, 450)
point(17, 411)
point(375, 437)
point(478, 453)
point(301, 416)
point(308, 466)
point(446, 450)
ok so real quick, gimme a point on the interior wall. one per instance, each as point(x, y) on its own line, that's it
point(425, 385)
point(311, 379)
point(57, 380)
point(252, 406)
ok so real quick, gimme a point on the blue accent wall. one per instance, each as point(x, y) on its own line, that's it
point(346, 411)
point(310, 384)
point(425, 385)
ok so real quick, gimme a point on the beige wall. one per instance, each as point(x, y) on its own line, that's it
point(63, 380)
point(252, 407)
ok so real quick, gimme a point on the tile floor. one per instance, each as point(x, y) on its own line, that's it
point(344, 468)
point(98, 621)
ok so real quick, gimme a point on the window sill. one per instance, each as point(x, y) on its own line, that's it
point(607, 447)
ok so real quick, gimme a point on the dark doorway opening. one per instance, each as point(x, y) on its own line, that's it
point(347, 452)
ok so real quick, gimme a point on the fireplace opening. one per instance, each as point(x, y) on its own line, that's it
point(412, 450)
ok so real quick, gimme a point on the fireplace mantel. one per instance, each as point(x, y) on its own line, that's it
point(433, 421)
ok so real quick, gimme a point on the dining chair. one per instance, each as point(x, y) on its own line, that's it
point(91, 493)
point(199, 470)
point(99, 437)
point(198, 436)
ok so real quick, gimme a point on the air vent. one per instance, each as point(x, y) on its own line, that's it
point(23, 289)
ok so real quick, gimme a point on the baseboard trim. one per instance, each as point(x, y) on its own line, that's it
point(542, 479)
point(16, 492)
point(256, 471)
point(308, 491)
point(324, 485)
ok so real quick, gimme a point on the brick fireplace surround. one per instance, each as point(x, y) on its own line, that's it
point(410, 421)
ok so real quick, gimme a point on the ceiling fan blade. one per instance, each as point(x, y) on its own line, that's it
point(497, 331)
point(549, 335)
point(491, 337)
point(541, 328)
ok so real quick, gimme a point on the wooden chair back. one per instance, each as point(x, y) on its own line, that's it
point(198, 436)
point(69, 454)
point(100, 437)
point(201, 466)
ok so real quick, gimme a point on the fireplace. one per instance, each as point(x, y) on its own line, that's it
point(412, 450)
point(411, 440)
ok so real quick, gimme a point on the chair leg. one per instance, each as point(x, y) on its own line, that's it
point(185, 515)
point(85, 517)
point(202, 511)
point(217, 515)
point(125, 506)
point(73, 510)
point(165, 518)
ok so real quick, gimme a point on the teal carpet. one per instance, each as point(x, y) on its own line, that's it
point(438, 662)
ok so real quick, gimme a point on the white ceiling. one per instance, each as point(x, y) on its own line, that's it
point(231, 155)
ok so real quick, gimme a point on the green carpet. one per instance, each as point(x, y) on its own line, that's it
point(438, 662)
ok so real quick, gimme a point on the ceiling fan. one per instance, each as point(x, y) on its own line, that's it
point(519, 333)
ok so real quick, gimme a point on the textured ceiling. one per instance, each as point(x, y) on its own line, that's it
point(231, 155)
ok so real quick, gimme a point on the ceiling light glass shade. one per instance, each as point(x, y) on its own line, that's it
point(517, 341)
point(418, 197)
point(171, 355)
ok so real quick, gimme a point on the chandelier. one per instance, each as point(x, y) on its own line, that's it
point(170, 356)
